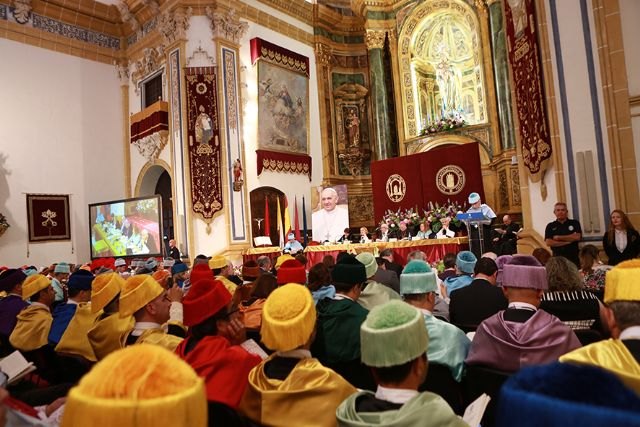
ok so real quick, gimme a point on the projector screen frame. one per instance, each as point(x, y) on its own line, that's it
point(161, 250)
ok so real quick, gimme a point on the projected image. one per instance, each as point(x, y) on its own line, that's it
point(125, 228)
point(330, 212)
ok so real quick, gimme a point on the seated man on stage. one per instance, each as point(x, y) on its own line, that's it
point(445, 232)
point(346, 236)
point(403, 233)
point(292, 246)
point(505, 243)
point(383, 236)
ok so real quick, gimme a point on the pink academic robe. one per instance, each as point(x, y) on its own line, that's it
point(508, 346)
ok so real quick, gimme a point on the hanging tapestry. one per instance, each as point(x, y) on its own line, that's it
point(529, 92)
point(48, 217)
point(203, 130)
point(283, 106)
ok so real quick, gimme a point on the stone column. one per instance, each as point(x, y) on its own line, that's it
point(122, 68)
point(501, 70)
point(381, 124)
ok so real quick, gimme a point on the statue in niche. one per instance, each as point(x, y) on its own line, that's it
point(204, 132)
point(449, 80)
point(353, 127)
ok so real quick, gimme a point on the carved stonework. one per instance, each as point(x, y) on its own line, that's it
point(173, 25)
point(127, 16)
point(150, 62)
point(150, 146)
point(324, 54)
point(22, 11)
point(361, 209)
point(503, 190)
point(122, 68)
point(153, 5)
point(226, 25)
point(374, 39)
point(200, 58)
point(352, 129)
point(515, 187)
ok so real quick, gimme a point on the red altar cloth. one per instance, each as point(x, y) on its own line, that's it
point(435, 249)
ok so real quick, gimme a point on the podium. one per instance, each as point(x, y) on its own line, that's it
point(477, 225)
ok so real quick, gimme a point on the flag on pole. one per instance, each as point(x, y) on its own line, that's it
point(279, 226)
point(304, 222)
point(296, 223)
point(267, 222)
point(287, 219)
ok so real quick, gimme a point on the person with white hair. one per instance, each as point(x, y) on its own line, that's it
point(330, 221)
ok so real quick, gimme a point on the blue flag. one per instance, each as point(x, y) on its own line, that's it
point(304, 223)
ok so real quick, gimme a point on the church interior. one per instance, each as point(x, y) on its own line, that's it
point(232, 128)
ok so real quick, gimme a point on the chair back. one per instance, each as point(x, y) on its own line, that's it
point(441, 382)
point(588, 336)
point(481, 379)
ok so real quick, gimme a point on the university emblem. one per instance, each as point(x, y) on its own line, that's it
point(450, 180)
point(396, 188)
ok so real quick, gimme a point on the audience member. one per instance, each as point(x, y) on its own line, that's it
point(501, 261)
point(373, 293)
point(449, 261)
point(140, 385)
point(152, 307)
point(79, 292)
point(465, 263)
point(386, 277)
point(471, 305)
point(395, 343)
point(59, 281)
point(521, 335)
point(448, 345)
point(542, 255)
point(179, 274)
point(320, 282)
point(223, 271)
point(593, 272)
point(387, 255)
point(620, 354)
point(291, 387)
point(621, 241)
point(251, 309)
point(11, 283)
point(34, 322)
point(213, 345)
point(337, 343)
point(291, 271)
point(329, 261)
point(565, 299)
point(264, 262)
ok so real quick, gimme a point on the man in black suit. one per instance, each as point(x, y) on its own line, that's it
point(470, 305)
point(174, 252)
point(387, 255)
point(386, 277)
point(505, 241)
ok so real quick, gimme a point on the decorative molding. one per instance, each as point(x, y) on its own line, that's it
point(200, 58)
point(173, 25)
point(127, 16)
point(122, 68)
point(324, 54)
point(374, 39)
point(74, 32)
point(22, 11)
point(153, 6)
point(150, 146)
point(481, 5)
point(152, 60)
point(226, 25)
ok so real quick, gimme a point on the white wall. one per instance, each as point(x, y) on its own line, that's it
point(61, 133)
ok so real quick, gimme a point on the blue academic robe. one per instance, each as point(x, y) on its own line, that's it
point(62, 315)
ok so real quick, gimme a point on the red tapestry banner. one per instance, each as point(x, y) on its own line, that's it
point(450, 172)
point(284, 162)
point(262, 49)
point(203, 130)
point(524, 61)
point(48, 217)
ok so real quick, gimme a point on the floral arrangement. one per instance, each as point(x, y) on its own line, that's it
point(444, 124)
point(433, 216)
point(3, 224)
point(436, 213)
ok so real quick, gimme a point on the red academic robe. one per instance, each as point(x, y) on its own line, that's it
point(224, 367)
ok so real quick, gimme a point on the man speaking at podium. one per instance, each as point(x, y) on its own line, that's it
point(478, 207)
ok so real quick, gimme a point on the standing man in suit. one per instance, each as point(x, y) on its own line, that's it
point(174, 252)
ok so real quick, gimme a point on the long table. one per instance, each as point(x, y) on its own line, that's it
point(434, 248)
point(272, 252)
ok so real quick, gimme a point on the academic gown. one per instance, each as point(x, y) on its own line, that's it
point(307, 397)
point(611, 355)
point(10, 306)
point(510, 345)
point(155, 336)
point(448, 345)
point(454, 283)
point(375, 294)
point(105, 334)
point(74, 339)
point(62, 315)
point(425, 409)
point(32, 329)
point(224, 367)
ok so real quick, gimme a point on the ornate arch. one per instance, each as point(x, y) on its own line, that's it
point(143, 172)
point(409, 29)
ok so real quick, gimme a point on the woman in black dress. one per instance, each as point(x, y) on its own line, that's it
point(621, 241)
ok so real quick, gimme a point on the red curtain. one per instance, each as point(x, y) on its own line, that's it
point(420, 172)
